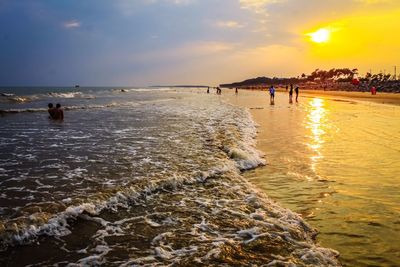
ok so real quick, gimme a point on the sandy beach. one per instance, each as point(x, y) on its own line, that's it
point(312, 149)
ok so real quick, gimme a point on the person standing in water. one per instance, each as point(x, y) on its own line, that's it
point(272, 95)
point(59, 113)
point(52, 111)
point(297, 93)
point(291, 94)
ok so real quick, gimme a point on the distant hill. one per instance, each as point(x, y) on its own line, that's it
point(266, 81)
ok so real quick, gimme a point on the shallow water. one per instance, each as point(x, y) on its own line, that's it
point(138, 177)
point(336, 162)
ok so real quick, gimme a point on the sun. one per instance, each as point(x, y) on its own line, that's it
point(320, 36)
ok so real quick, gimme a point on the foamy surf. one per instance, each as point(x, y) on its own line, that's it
point(70, 95)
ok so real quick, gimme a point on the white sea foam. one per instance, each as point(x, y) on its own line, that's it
point(69, 95)
point(58, 224)
point(6, 111)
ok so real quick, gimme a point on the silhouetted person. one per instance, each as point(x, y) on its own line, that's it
point(297, 92)
point(52, 111)
point(236, 91)
point(291, 94)
point(59, 113)
point(272, 94)
point(208, 90)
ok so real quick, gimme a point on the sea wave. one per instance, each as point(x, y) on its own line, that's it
point(13, 111)
point(11, 98)
point(244, 152)
point(263, 222)
point(110, 105)
point(7, 94)
point(29, 110)
point(70, 95)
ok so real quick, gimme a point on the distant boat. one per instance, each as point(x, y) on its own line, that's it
point(77, 86)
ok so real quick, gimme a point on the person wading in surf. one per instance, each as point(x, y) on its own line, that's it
point(52, 111)
point(59, 113)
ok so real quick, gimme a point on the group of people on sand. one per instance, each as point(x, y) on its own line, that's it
point(56, 113)
point(272, 93)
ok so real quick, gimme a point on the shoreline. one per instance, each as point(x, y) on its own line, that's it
point(257, 103)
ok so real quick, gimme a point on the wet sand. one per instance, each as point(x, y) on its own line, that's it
point(313, 150)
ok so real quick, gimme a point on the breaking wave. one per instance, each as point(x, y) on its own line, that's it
point(70, 95)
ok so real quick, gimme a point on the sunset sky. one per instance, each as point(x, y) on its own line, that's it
point(148, 42)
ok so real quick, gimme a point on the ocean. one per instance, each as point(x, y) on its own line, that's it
point(139, 177)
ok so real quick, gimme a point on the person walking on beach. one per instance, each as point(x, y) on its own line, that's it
point(236, 91)
point(208, 90)
point(296, 90)
point(291, 94)
point(52, 111)
point(272, 95)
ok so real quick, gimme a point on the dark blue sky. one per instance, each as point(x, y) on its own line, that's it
point(93, 42)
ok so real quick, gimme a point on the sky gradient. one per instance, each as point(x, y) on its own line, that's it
point(149, 42)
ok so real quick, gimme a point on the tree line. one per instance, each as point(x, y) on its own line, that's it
point(340, 75)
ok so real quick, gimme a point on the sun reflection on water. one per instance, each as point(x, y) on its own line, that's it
point(315, 122)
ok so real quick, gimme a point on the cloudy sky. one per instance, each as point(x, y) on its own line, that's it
point(148, 42)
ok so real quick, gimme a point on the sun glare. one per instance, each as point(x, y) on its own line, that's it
point(320, 36)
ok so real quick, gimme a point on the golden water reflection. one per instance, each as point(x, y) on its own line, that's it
point(336, 163)
point(315, 121)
